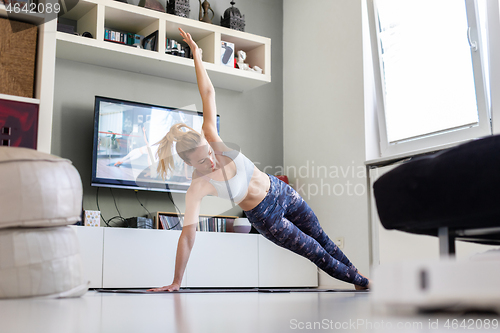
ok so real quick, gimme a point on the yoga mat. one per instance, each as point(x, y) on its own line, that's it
point(226, 290)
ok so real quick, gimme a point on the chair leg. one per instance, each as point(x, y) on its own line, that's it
point(446, 243)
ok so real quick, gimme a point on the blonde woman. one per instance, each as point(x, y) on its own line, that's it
point(276, 210)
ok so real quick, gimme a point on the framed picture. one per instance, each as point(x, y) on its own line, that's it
point(149, 42)
point(18, 124)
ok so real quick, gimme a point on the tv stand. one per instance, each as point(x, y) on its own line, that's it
point(144, 258)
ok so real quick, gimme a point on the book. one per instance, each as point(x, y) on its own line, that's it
point(163, 222)
point(137, 40)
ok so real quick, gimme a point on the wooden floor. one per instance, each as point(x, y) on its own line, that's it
point(250, 312)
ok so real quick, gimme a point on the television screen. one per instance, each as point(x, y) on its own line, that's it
point(124, 151)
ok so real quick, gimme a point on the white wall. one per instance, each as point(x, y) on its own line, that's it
point(251, 119)
point(324, 125)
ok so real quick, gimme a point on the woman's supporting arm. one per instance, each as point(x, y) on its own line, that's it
point(184, 246)
point(187, 237)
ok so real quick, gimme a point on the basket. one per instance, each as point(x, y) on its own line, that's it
point(17, 57)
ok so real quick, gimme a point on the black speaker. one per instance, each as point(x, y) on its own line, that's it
point(139, 222)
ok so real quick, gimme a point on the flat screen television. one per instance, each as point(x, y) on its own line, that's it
point(124, 150)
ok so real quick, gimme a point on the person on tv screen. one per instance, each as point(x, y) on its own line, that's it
point(273, 208)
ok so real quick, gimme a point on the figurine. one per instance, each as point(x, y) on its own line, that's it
point(206, 7)
point(246, 67)
point(241, 61)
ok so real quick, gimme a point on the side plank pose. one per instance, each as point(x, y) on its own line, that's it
point(274, 209)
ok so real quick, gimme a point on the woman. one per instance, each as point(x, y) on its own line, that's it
point(275, 210)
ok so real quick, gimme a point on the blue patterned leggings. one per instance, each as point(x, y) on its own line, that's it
point(286, 219)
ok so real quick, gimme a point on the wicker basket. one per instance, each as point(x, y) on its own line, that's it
point(17, 57)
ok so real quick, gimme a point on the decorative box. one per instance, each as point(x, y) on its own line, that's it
point(92, 218)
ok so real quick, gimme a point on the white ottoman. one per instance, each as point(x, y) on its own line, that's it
point(38, 189)
point(39, 194)
point(40, 262)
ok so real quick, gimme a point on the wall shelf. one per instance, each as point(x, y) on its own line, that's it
point(94, 16)
point(97, 16)
point(19, 99)
point(127, 58)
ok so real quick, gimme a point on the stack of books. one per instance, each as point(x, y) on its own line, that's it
point(211, 224)
point(170, 222)
point(126, 38)
point(214, 224)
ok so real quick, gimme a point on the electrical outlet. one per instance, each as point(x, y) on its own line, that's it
point(339, 241)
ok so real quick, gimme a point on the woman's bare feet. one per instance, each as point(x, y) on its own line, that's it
point(361, 288)
point(368, 286)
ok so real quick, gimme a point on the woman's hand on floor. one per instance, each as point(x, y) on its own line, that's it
point(172, 287)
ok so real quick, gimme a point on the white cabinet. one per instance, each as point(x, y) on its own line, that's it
point(138, 258)
point(91, 249)
point(143, 258)
point(223, 260)
point(279, 267)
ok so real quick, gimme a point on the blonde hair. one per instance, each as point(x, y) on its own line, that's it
point(185, 143)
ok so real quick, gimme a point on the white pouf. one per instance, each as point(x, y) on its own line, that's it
point(38, 189)
point(40, 262)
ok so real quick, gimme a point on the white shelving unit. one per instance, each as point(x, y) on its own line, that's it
point(45, 71)
point(95, 15)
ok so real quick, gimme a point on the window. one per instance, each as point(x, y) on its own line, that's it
point(431, 89)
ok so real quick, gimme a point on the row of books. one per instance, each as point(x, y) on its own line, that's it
point(170, 222)
point(122, 38)
point(215, 224)
point(172, 47)
point(212, 224)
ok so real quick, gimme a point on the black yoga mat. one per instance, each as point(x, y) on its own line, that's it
point(225, 290)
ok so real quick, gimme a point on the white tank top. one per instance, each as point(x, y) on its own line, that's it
point(236, 187)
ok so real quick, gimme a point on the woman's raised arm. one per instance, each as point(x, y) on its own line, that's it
point(207, 91)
